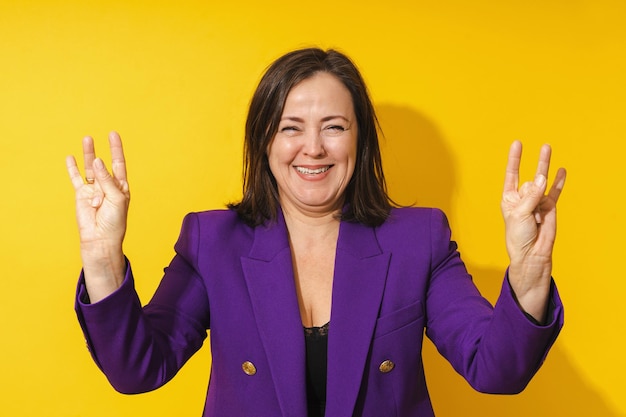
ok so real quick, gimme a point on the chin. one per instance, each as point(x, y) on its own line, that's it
point(321, 205)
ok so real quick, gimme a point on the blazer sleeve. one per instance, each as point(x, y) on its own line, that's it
point(497, 349)
point(140, 349)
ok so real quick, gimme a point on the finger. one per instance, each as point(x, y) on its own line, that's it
point(543, 166)
point(118, 162)
point(108, 187)
point(89, 155)
point(96, 199)
point(104, 179)
point(558, 184)
point(511, 177)
point(74, 172)
point(531, 194)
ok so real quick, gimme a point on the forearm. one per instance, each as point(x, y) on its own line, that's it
point(104, 268)
point(137, 349)
point(508, 351)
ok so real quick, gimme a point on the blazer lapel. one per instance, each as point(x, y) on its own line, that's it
point(359, 281)
point(268, 273)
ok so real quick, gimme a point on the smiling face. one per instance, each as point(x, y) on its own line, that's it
point(312, 156)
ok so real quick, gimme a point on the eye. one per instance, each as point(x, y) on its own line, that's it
point(289, 130)
point(334, 130)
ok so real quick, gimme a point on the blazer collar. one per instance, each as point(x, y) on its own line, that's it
point(268, 272)
point(270, 238)
point(358, 284)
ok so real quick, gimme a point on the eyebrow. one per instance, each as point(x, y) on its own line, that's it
point(324, 119)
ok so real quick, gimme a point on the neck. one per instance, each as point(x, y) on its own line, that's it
point(311, 226)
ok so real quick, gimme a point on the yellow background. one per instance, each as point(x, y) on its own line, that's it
point(454, 83)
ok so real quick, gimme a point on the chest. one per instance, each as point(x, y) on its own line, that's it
point(313, 278)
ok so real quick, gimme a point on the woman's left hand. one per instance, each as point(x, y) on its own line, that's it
point(530, 221)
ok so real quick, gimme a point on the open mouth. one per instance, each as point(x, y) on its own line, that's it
point(312, 171)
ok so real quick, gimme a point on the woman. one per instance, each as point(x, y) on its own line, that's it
point(317, 292)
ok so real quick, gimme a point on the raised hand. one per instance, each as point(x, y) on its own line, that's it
point(102, 201)
point(530, 221)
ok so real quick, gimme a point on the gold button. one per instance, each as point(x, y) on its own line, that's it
point(249, 368)
point(386, 366)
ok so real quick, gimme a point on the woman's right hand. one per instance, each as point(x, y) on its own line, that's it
point(102, 201)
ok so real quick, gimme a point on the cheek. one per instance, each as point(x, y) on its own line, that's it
point(352, 157)
point(270, 154)
point(281, 150)
point(345, 151)
point(273, 156)
point(280, 156)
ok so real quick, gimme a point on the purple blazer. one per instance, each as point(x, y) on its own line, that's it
point(391, 283)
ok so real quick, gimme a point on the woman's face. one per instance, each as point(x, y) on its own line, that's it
point(313, 153)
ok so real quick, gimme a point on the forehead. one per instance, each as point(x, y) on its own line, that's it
point(322, 92)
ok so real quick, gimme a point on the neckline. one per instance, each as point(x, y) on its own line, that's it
point(316, 331)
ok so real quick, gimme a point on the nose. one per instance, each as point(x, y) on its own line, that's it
point(313, 144)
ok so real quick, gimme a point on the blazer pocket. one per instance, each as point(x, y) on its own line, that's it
point(399, 318)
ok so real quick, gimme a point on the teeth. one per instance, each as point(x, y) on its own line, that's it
point(303, 170)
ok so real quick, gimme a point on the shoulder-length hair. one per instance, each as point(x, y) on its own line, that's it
point(366, 199)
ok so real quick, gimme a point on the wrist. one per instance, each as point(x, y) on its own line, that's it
point(104, 271)
point(534, 304)
point(531, 289)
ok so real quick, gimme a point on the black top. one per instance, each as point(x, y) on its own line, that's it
point(316, 354)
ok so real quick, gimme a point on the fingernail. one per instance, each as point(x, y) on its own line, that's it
point(98, 163)
point(95, 202)
point(540, 180)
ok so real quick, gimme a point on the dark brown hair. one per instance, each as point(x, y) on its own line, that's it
point(366, 199)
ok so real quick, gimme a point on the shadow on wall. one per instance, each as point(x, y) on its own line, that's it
point(418, 165)
point(420, 170)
